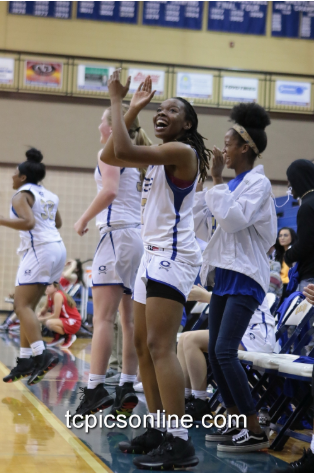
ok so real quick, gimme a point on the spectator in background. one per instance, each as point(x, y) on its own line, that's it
point(286, 238)
point(300, 175)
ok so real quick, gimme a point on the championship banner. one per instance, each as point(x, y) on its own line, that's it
point(173, 14)
point(122, 12)
point(292, 93)
point(139, 75)
point(237, 17)
point(239, 89)
point(194, 85)
point(6, 70)
point(293, 20)
point(44, 9)
point(43, 74)
point(93, 78)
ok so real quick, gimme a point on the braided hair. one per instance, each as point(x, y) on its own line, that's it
point(195, 139)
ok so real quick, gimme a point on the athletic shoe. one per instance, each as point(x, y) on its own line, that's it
point(224, 433)
point(23, 368)
point(58, 338)
point(304, 465)
point(173, 453)
point(138, 387)
point(69, 340)
point(42, 364)
point(125, 400)
point(92, 400)
point(4, 327)
point(245, 441)
point(113, 380)
point(145, 443)
point(14, 327)
point(197, 408)
point(111, 372)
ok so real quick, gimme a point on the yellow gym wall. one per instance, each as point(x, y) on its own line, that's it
point(155, 44)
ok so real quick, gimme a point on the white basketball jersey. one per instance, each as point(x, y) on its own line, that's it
point(126, 207)
point(167, 217)
point(263, 315)
point(44, 210)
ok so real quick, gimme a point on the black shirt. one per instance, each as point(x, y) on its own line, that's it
point(303, 250)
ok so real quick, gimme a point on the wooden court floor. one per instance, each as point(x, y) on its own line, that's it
point(34, 437)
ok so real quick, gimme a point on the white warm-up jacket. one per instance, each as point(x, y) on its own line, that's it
point(246, 228)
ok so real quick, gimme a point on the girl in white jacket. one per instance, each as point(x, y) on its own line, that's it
point(247, 227)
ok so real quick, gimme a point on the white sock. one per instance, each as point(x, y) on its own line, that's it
point(177, 432)
point(25, 352)
point(95, 379)
point(159, 421)
point(188, 392)
point(200, 395)
point(312, 444)
point(37, 347)
point(127, 378)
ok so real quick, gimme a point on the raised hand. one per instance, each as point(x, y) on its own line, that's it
point(143, 95)
point(218, 164)
point(116, 89)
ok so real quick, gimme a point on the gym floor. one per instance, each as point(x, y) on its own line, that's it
point(34, 436)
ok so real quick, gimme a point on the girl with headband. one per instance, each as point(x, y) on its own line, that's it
point(247, 226)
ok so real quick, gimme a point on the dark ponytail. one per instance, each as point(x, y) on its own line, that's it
point(33, 168)
point(195, 139)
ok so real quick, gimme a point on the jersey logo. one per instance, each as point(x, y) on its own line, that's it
point(252, 336)
point(41, 194)
point(27, 272)
point(165, 265)
point(102, 269)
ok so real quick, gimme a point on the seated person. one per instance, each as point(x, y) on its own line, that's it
point(60, 315)
point(259, 337)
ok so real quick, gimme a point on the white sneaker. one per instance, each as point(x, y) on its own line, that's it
point(138, 387)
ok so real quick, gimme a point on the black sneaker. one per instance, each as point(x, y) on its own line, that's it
point(224, 433)
point(245, 441)
point(42, 364)
point(92, 400)
point(173, 453)
point(145, 443)
point(125, 401)
point(304, 465)
point(23, 368)
point(197, 408)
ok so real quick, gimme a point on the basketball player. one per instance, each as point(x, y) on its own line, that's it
point(170, 263)
point(34, 213)
point(117, 208)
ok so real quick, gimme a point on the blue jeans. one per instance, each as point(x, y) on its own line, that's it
point(229, 316)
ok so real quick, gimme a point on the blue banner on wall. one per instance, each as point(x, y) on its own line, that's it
point(293, 20)
point(237, 17)
point(43, 9)
point(122, 12)
point(174, 14)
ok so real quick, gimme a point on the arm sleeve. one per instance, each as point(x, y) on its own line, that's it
point(234, 214)
point(302, 248)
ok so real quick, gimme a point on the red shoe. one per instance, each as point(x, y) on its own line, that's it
point(69, 340)
point(58, 338)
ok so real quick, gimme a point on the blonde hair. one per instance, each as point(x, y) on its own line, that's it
point(136, 133)
point(70, 300)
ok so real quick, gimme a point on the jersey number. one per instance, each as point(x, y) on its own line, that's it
point(48, 210)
